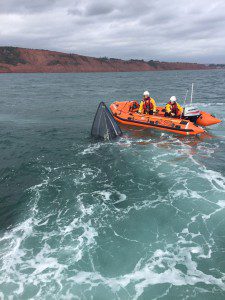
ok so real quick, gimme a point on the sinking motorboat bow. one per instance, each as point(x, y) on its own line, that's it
point(104, 125)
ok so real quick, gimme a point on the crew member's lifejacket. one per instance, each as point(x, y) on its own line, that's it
point(134, 106)
point(174, 108)
point(148, 105)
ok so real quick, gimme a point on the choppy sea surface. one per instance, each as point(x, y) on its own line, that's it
point(139, 218)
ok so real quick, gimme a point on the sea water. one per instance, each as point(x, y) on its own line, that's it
point(142, 217)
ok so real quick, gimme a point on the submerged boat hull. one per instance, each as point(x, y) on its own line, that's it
point(124, 113)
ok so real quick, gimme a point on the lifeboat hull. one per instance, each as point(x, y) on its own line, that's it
point(207, 119)
point(122, 113)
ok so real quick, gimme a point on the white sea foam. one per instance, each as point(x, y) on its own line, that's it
point(85, 175)
point(221, 203)
point(77, 236)
point(91, 148)
point(14, 254)
point(147, 275)
point(2, 297)
point(108, 196)
point(216, 179)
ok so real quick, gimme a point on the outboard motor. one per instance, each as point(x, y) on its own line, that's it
point(191, 113)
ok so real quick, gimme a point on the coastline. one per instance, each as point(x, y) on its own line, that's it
point(23, 60)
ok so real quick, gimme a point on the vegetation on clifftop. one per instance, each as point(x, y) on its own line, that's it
point(153, 63)
point(11, 56)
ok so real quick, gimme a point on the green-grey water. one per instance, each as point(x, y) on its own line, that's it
point(138, 218)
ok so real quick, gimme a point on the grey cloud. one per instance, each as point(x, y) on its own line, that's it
point(24, 6)
point(175, 30)
point(92, 9)
point(116, 10)
point(99, 9)
point(74, 11)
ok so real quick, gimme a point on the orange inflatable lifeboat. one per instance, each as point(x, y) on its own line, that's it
point(189, 123)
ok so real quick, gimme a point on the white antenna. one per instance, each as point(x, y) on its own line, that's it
point(192, 90)
point(185, 99)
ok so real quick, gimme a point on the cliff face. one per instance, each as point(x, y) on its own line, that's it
point(20, 60)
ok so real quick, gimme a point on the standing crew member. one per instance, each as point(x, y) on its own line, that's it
point(147, 105)
point(173, 109)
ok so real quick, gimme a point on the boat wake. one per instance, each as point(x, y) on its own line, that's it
point(118, 220)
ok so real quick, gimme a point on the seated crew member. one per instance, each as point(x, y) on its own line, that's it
point(147, 105)
point(134, 107)
point(173, 109)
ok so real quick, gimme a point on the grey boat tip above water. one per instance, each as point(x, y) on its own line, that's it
point(104, 125)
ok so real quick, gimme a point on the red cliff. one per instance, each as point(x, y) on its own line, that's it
point(20, 60)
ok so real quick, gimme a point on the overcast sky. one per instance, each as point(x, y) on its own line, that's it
point(169, 30)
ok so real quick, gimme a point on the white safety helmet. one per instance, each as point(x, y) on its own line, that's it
point(146, 93)
point(173, 99)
